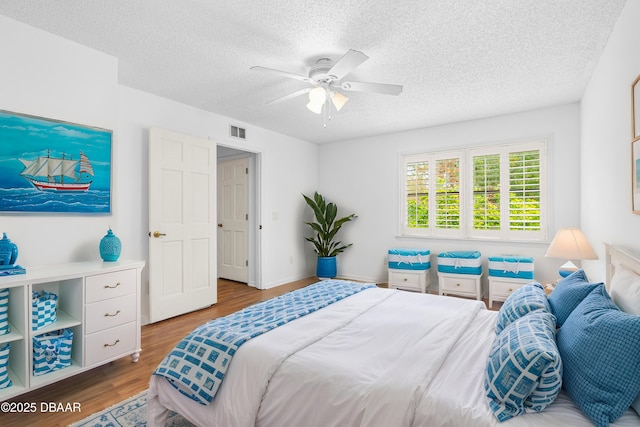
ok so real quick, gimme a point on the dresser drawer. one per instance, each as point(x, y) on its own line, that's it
point(110, 313)
point(460, 284)
point(110, 344)
point(408, 279)
point(110, 285)
point(503, 289)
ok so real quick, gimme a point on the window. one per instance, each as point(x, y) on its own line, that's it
point(504, 196)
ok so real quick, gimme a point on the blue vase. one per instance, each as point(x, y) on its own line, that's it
point(327, 267)
point(110, 247)
point(8, 251)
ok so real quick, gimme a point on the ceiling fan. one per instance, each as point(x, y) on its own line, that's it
point(326, 78)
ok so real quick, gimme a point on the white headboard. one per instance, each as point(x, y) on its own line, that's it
point(618, 256)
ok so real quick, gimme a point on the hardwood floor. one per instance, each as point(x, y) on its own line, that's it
point(109, 384)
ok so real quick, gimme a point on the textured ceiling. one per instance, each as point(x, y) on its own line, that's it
point(457, 60)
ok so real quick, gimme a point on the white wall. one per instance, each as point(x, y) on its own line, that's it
point(362, 176)
point(289, 167)
point(606, 143)
point(48, 76)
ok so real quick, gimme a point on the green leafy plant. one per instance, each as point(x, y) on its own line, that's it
point(326, 226)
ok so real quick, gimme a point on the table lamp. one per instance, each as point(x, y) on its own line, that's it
point(570, 244)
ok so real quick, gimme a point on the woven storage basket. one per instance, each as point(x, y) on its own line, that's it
point(4, 363)
point(4, 311)
point(52, 351)
point(43, 309)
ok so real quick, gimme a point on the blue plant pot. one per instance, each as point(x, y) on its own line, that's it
point(327, 267)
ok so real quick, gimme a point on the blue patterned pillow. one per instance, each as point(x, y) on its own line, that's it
point(569, 292)
point(600, 349)
point(527, 299)
point(524, 370)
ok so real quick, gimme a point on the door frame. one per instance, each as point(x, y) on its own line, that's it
point(254, 252)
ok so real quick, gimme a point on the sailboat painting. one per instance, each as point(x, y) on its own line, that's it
point(53, 166)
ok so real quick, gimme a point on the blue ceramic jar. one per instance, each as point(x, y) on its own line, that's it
point(8, 252)
point(110, 247)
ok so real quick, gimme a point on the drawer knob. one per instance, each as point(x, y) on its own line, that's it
point(510, 289)
point(457, 284)
point(112, 345)
point(405, 279)
point(112, 287)
point(112, 315)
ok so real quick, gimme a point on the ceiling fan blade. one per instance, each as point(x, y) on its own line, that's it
point(347, 64)
point(383, 88)
point(282, 73)
point(291, 95)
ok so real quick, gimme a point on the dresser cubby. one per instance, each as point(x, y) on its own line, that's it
point(85, 290)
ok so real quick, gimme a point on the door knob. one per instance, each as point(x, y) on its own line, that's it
point(220, 225)
point(157, 234)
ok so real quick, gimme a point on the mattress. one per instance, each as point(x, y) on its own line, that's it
point(409, 259)
point(348, 365)
point(516, 267)
point(460, 262)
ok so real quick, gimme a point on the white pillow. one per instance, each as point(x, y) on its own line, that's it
point(625, 290)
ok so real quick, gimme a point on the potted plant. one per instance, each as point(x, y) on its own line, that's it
point(325, 228)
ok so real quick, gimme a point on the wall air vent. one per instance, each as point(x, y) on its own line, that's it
point(237, 132)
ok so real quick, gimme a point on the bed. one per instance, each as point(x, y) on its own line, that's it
point(379, 357)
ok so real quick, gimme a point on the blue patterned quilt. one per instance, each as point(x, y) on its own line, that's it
point(197, 365)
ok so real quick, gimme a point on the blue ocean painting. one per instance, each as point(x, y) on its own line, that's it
point(53, 166)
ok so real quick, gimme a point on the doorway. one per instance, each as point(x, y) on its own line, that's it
point(238, 216)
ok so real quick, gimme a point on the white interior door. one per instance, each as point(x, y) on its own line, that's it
point(182, 227)
point(233, 219)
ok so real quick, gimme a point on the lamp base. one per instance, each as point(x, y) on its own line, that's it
point(567, 269)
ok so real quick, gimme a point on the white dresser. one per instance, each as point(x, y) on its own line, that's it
point(465, 285)
point(412, 280)
point(98, 301)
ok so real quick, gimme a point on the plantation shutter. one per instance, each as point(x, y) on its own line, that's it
point(417, 194)
point(486, 192)
point(448, 193)
point(524, 191)
point(491, 192)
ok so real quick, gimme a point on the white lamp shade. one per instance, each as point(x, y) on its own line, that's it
point(317, 98)
point(571, 244)
point(315, 107)
point(338, 100)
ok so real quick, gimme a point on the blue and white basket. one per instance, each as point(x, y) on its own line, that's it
point(43, 309)
point(409, 259)
point(4, 363)
point(460, 262)
point(512, 266)
point(4, 311)
point(52, 351)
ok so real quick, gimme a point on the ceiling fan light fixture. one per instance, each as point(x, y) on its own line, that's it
point(338, 100)
point(317, 98)
point(315, 107)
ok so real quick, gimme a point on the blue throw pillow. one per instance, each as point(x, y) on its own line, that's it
point(600, 349)
point(569, 292)
point(525, 300)
point(524, 369)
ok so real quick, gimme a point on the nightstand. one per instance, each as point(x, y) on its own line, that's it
point(501, 287)
point(412, 280)
point(465, 285)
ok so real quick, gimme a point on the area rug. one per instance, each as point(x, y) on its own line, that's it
point(128, 413)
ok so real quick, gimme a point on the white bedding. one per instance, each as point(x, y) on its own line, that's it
point(378, 358)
